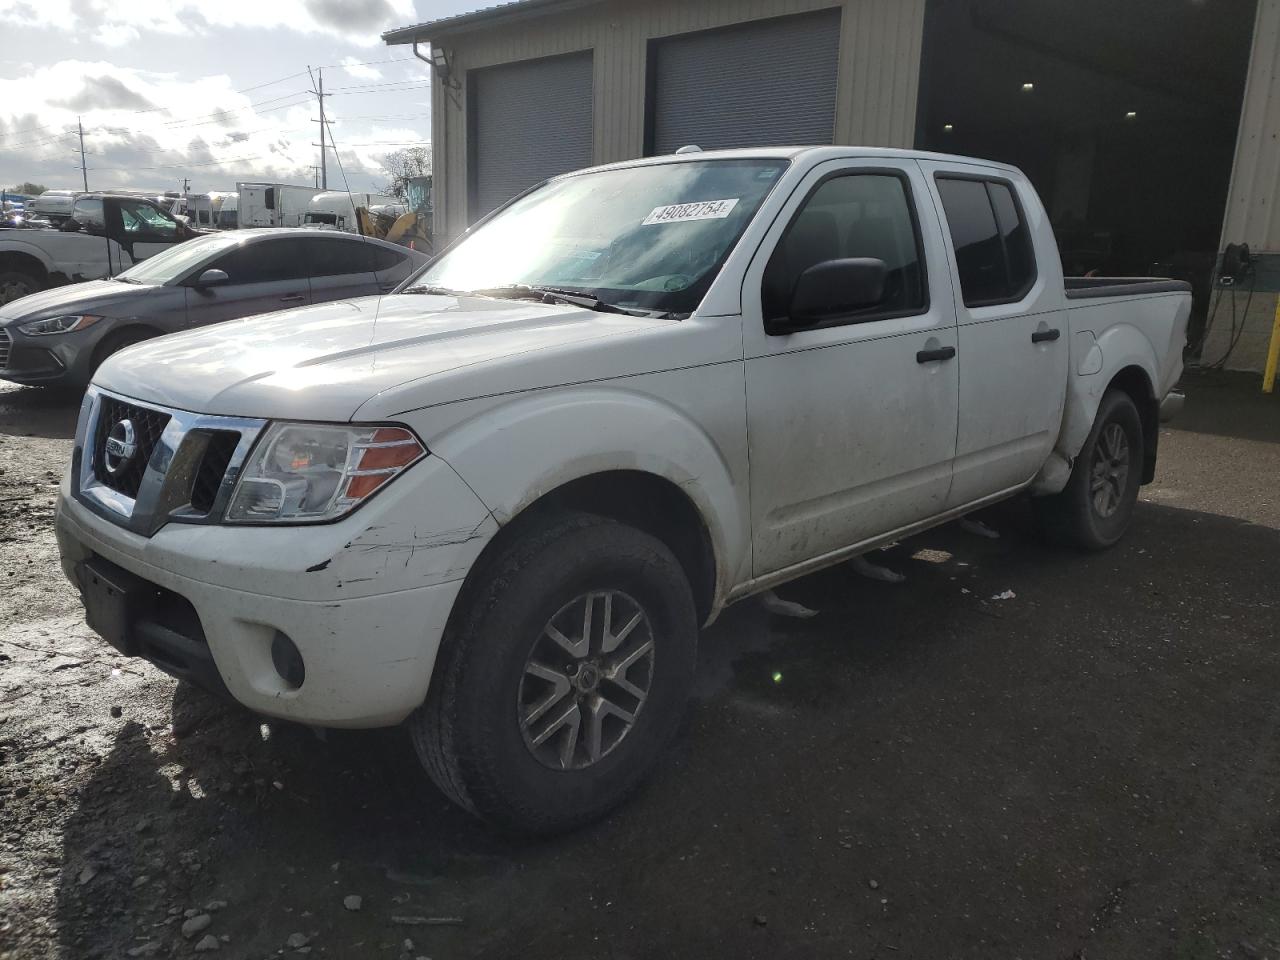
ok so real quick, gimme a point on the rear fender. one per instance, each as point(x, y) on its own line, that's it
point(1106, 355)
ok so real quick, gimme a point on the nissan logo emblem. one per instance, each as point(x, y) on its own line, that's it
point(120, 448)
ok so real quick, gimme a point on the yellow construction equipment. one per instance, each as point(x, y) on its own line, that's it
point(413, 229)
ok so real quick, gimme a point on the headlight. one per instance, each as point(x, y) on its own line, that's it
point(300, 472)
point(42, 328)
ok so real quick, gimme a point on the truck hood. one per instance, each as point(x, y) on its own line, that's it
point(325, 362)
point(88, 297)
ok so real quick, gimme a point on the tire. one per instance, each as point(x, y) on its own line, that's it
point(469, 734)
point(15, 284)
point(1096, 507)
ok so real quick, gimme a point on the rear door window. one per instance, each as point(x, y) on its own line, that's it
point(266, 261)
point(338, 257)
point(994, 255)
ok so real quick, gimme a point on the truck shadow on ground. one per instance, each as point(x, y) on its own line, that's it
point(1087, 764)
point(39, 412)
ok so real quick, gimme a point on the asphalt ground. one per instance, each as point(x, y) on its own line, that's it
point(1087, 768)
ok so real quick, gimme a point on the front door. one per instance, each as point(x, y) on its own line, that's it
point(263, 275)
point(852, 423)
point(1012, 328)
point(143, 229)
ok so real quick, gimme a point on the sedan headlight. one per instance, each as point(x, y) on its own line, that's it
point(310, 473)
point(67, 324)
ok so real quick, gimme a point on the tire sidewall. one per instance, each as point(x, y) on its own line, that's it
point(491, 750)
point(1116, 408)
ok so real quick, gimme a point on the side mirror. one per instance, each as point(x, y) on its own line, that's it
point(69, 226)
point(211, 278)
point(834, 288)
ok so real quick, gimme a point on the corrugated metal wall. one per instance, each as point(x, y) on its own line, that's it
point(1252, 205)
point(875, 100)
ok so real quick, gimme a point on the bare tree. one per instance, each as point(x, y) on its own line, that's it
point(401, 165)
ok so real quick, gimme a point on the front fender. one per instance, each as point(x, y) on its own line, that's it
point(517, 452)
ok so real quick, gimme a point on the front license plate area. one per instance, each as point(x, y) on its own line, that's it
point(111, 600)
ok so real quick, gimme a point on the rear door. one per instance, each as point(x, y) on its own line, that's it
point(263, 275)
point(852, 423)
point(340, 268)
point(1012, 329)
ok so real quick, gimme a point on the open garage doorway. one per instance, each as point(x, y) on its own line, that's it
point(1123, 113)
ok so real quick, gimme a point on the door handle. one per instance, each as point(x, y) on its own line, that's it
point(1046, 336)
point(933, 356)
point(294, 298)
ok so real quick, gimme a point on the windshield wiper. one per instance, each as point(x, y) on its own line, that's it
point(524, 291)
point(126, 280)
point(435, 291)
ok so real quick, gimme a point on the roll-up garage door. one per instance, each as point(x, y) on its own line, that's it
point(770, 83)
point(528, 121)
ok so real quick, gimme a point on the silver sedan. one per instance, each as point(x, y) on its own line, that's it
point(60, 336)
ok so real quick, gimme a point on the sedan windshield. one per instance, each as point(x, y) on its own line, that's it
point(168, 265)
point(646, 238)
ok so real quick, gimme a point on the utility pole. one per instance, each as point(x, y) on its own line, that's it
point(318, 87)
point(84, 171)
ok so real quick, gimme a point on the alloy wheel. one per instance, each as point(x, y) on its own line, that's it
point(1109, 473)
point(586, 680)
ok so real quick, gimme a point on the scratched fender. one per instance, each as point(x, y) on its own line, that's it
point(1097, 359)
point(516, 452)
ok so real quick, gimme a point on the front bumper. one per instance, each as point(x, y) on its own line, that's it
point(365, 601)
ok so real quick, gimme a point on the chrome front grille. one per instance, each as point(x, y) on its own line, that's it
point(145, 427)
point(165, 466)
point(6, 342)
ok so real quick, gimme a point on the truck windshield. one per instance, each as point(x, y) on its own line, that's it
point(168, 265)
point(647, 238)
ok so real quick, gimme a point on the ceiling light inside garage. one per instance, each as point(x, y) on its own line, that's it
point(948, 127)
point(1028, 87)
point(1131, 115)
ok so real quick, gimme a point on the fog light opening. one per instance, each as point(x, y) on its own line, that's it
point(287, 660)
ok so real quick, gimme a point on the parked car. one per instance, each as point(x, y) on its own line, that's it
point(104, 234)
point(498, 505)
point(61, 336)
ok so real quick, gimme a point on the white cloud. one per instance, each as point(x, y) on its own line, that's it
point(361, 71)
point(116, 34)
point(114, 22)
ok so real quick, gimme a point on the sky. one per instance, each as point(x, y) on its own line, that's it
point(214, 92)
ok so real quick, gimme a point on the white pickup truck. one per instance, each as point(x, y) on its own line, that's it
point(104, 234)
point(500, 503)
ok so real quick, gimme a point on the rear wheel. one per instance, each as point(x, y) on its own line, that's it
point(1096, 507)
point(15, 284)
point(564, 680)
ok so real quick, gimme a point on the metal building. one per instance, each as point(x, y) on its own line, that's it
point(1150, 127)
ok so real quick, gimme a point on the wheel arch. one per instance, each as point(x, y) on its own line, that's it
point(111, 342)
point(24, 261)
point(614, 452)
point(1136, 382)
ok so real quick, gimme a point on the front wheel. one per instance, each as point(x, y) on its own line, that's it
point(1096, 507)
point(564, 679)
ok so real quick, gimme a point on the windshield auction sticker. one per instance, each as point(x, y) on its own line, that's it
point(685, 212)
